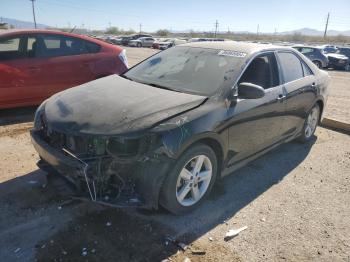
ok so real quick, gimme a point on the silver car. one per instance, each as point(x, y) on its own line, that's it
point(142, 42)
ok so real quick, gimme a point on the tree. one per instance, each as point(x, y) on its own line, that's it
point(113, 30)
point(163, 32)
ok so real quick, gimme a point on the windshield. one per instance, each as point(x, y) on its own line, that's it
point(187, 69)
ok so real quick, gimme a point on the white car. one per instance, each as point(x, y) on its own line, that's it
point(170, 42)
point(142, 42)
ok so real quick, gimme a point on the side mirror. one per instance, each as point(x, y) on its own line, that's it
point(250, 91)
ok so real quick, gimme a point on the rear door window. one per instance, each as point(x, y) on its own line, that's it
point(307, 71)
point(291, 66)
point(57, 45)
point(92, 48)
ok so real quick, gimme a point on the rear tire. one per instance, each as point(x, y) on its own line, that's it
point(310, 124)
point(190, 180)
point(139, 45)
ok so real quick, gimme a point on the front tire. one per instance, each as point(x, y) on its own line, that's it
point(310, 124)
point(190, 181)
point(139, 45)
point(318, 64)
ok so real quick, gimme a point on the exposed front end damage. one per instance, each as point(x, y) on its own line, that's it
point(118, 171)
point(101, 137)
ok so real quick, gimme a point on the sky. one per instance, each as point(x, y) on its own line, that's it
point(233, 15)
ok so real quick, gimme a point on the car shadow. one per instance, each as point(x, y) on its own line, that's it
point(17, 115)
point(134, 235)
point(239, 189)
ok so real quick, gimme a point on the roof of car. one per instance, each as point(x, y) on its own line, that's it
point(45, 31)
point(307, 46)
point(244, 47)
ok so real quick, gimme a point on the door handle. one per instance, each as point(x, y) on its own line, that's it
point(281, 97)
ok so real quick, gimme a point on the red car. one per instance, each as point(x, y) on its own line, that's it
point(35, 64)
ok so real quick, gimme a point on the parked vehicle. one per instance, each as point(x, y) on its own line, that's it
point(167, 43)
point(336, 60)
point(142, 42)
point(345, 51)
point(167, 129)
point(126, 39)
point(35, 64)
point(328, 48)
point(206, 40)
point(315, 54)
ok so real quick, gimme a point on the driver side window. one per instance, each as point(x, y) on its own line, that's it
point(262, 71)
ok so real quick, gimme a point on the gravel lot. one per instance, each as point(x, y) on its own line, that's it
point(338, 105)
point(295, 201)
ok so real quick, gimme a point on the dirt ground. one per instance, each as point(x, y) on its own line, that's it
point(295, 202)
point(338, 105)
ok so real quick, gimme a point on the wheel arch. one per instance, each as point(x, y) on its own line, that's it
point(213, 141)
point(318, 60)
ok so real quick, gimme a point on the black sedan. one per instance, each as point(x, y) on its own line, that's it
point(171, 126)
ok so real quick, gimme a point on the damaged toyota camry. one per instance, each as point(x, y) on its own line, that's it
point(167, 129)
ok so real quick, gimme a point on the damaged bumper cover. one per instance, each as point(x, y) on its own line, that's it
point(106, 178)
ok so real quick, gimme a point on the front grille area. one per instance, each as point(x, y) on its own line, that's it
point(81, 146)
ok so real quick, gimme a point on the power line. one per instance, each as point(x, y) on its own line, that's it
point(325, 30)
point(33, 12)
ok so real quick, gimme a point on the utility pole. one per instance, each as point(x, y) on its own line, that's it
point(33, 12)
point(257, 31)
point(140, 25)
point(216, 27)
point(325, 30)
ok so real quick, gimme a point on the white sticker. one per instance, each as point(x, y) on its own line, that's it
point(232, 53)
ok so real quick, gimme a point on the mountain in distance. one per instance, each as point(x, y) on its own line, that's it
point(21, 24)
point(304, 31)
point(313, 32)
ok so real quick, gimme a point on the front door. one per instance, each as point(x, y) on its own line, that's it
point(256, 124)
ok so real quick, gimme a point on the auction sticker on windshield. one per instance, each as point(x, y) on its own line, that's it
point(232, 53)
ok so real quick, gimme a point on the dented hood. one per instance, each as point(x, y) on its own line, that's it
point(114, 105)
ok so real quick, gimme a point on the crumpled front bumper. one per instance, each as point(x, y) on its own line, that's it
point(147, 173)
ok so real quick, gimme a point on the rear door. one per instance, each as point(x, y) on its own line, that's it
point(301, 90)
point(148, 41)
point(256, 124)
point(62, 61)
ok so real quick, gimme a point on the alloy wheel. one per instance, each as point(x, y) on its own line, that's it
point(311, 122)
point(193, 180)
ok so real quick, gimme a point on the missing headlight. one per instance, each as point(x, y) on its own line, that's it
point(123, 147)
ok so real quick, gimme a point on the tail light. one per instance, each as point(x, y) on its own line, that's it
point(123, 58)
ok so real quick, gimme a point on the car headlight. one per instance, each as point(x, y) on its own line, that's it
point(123, 147)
